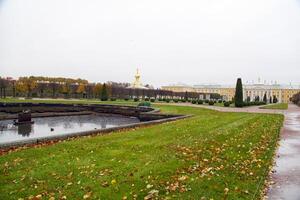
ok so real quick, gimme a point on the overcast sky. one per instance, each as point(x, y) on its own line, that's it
point(170, 41)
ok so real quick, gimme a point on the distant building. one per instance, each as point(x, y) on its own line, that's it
point(137, 83)
point(251, 91)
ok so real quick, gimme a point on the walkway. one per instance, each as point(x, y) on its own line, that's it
point(286, 176)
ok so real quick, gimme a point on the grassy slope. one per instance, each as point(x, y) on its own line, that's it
point(278, 106)
point(186, 159)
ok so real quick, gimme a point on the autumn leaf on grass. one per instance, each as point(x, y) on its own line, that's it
point(151, 194)
point(105, 184)
point(87, 195)
point(113, 182)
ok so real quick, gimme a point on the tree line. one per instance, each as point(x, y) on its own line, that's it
point(49, 87)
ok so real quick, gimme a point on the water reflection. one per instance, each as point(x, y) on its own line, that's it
point(24, 129)
point(49, 126)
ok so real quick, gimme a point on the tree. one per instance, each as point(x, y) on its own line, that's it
point(3, 86)
point(239, 102)
point(275, 100)
point(81, 89)
point(54, 87)
point(186, 96)
point(104, 95)
point(270, 100)
point(248, 99)
point(97, 90)
point(66, 89)
point(27, 84)
point(265, 98)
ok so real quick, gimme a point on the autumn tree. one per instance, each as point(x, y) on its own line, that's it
point(81, 90)
point(97, 90)
point(27, 84)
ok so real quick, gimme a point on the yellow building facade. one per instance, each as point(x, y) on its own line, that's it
point(251, 91)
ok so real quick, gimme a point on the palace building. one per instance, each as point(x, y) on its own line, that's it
point(253, 91)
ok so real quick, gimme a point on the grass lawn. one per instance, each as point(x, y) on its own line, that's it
point(71, 101)
point(278, 106)
point(212, 155)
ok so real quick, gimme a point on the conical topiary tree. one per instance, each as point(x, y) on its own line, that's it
point(104, 95)
point(239, 101)
point(265, 98)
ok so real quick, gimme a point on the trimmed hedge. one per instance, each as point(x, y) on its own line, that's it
point(200, 102)
point(211, 103)
point(254, 103)
point(145, 104)
point(226, 104)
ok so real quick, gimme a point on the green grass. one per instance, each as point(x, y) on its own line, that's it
point(72, 101)
point(278, 106)
point(212, 155)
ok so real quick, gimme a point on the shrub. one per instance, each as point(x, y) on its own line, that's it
point(167, 100)
point(226, 104)
point(146, 99)
point(220, 101)
point(211, 103)
point(152, 100)
point(126, 99)
point(200, 101)
point(194, 101)
point(206, 101)
point(113, 99)
point(136, 99)
point(175, 100)
point(183, 100)
point(160, 99)
point(145, 104)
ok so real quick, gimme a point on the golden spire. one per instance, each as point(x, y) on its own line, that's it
point(137, 83)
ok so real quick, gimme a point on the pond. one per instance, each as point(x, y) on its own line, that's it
point(50, 126)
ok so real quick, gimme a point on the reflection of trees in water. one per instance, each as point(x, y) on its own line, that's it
point(104, 122)
point(24, 129)
point(67, 125)
point(3, 127)
point(54, 121)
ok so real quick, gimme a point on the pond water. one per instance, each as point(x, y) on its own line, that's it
point(49, 126)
